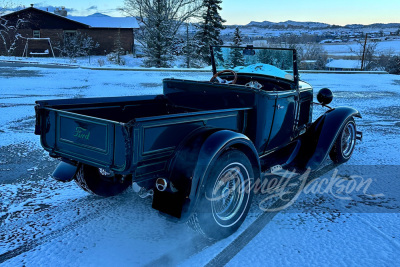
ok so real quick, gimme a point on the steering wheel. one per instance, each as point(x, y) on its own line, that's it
point(220, 80)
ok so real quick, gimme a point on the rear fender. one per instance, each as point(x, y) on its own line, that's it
point(191, 163)
point(319, 139)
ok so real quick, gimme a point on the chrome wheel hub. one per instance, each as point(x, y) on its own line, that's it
point(348, 140)
point(228, 194)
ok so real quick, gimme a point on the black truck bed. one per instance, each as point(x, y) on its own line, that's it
point(127, 134)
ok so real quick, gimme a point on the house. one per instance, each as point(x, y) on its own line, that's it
point(42, 29)
point(343, 65)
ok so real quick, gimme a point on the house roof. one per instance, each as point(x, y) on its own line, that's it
point(96, 20)
point(344, 64)
point(99, 20)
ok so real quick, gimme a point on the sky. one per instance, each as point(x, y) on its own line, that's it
point(339, 12)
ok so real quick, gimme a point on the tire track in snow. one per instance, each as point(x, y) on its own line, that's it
point(44, 239)
point(258, 225)
point(181, 252)
point(382, 234)
point(198, 244)
point(57, 233)
point(185, 250)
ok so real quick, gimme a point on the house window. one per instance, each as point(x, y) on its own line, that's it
point(36, 34)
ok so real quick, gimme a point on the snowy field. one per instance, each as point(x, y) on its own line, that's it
point(343, 49)
point(337, 50)
point(47, 223)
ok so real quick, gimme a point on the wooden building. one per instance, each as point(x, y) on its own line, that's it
point(41, 28)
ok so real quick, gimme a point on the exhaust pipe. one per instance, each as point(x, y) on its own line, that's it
point(161, 184)
point(359, 136)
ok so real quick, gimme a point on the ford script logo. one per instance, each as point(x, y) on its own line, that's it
point(81, 133)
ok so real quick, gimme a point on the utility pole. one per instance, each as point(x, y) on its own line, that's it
point(363, 54)
point(188, 46)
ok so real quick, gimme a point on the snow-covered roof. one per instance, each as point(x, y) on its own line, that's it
point(344, 64)
point(99, 20)
point(96, 20)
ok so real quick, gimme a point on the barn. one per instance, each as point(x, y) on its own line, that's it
point(41, 31)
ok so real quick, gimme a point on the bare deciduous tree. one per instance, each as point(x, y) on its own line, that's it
point(317, 53)
point(366, 52)
point(75, 45)
point(9, 35)
point(160, 21)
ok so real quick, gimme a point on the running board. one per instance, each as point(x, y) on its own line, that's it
point(278, 170)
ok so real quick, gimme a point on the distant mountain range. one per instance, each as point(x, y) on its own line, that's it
point(313, 25)
point(287, 24)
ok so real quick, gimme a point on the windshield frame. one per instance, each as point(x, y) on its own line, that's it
point(295, 69)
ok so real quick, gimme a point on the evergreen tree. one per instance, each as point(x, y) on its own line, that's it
point(210, 28)
point(236, 55)
point(189, 50)
point(157, 36)
point(118, 51)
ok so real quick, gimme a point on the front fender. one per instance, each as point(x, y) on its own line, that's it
point(318, 141)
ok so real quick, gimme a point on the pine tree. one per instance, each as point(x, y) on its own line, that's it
point(210, 28)
point(236, 55)
point(118, 51)
point(157, 36)
point(189, 50)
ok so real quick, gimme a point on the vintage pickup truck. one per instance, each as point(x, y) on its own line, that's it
point(192, 146)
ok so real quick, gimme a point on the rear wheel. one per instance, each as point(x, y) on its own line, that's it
point(345, 143)
point(227, 196)
point(98, 182)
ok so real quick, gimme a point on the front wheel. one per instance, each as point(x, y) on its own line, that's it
point(345, 143)
point(96, 181)
point(227, 196)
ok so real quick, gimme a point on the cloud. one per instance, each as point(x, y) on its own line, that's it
point(10, 9)
point(41, 6)
point(71, 11)
point(92, 8)
point(51, 8)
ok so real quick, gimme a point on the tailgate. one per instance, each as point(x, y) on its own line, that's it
point(83, 138)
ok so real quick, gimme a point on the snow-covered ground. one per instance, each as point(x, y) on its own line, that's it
point(343, 49)
point(47, 223)
point(97, 62)
point(90, 61)
point(337, 50)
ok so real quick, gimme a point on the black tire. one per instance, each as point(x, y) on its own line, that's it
point(345, 143)
point(223, 206)
point(92, 181)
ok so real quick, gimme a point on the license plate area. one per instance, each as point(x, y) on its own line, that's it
point(91, 135)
